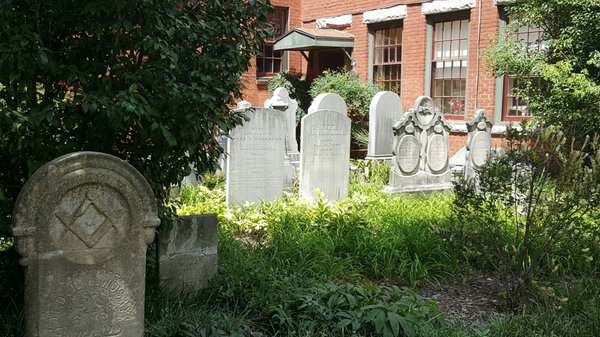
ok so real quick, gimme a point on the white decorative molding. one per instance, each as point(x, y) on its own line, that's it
point(498, 129)
point(386, 14)
point(335, 22)
point(445, 6)
point(503, 2)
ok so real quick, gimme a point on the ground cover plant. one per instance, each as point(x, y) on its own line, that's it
point(353, 268)
point(293, 268)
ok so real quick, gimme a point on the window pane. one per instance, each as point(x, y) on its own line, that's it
point(387, 60)
point(447, 30)
point(438, 31)
point(451, 46)
point(464, 29)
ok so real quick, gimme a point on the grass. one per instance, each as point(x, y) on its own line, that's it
point(294, 268)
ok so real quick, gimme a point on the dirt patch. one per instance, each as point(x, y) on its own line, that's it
point(475, 302)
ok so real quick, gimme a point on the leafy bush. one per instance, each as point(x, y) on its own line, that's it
point(533, 211)
point(561, 83)
point(340, 310)
point(149, 82)
point(347, 84)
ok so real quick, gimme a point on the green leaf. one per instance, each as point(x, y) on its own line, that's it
point(394, 320)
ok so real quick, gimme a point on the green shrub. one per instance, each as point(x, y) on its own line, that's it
point(347, 84)
point(340, 310)
point(129, 80)
point(532, 211)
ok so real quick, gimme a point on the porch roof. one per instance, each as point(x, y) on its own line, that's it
point(312, 39)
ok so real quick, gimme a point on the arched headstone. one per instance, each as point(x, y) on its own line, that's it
point(255, 154)
point(329, 101)
point(325, 155)
point(384, 111)
point(479, 143)
point(82, 225)
point(420, 150)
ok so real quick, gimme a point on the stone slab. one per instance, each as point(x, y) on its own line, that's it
point(255, 158)
point(325, 155)
point(385, 109)
point(328, 101)
point(82, 225)
point(188, 252)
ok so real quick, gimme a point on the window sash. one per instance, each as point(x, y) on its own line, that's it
point(450, 66)
point(515, 107)
point(268, 61)
point(387, 59)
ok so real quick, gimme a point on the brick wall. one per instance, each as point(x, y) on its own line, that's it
point(481, 83)
point(255, 91)
point(487, 81)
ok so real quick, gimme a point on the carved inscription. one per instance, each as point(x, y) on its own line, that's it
point(407, 154)
point(256, 147)
point(437, 153)
point(97, 303)
point(480, 150)
point(255, 161)
point(325, 156)
point(88, 221)
point(329, 142)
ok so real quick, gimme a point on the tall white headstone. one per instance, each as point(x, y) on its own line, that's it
point(281, 101)
point(479, 143)
point(329, 101)
point(325, 155)
point(255, 153)
point(420, 150)
point(384, 111)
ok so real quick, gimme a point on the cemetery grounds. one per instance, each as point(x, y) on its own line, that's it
point(372, 264)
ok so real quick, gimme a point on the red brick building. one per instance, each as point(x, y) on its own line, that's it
point(412, 47)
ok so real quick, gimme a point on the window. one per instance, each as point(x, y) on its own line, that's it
point(387, 64)
point(449, 66)
point(515, 107)
point(269, 62)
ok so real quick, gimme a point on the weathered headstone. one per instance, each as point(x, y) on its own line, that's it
point(243, 105)
point(328, 101)
point(420, 150)
point(281, 101)
point(255, 153)
point(325, 154)
point(188, 252)
point(82, 225)
point(479, 143)
point(384, 111)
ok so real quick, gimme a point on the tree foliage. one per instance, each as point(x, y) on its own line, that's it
point(533, 211)
point(347, 84)
point(562, 82)
point(148, 81)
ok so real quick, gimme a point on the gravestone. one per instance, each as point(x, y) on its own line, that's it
point(328, 101)
point(281, 101)
point(255, 152)
point(188, 252)
point(243, 105)
point(325, 155)
point(420, 150)
point(82, 225)
point(384, 111)
point(479, 143)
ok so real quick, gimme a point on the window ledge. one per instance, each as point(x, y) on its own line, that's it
point(498, 129)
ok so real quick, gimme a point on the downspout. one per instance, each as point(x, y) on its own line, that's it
point(478, 55)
